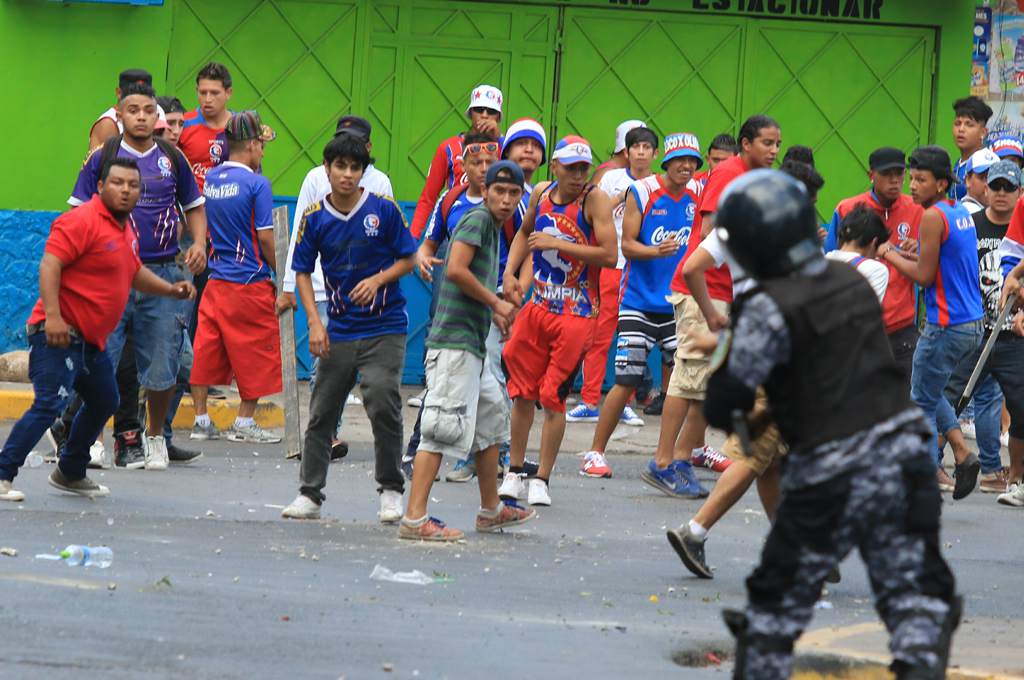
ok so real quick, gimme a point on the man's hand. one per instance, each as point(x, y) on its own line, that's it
point(488, 126)
point(822, 233)
point(668, 247)
point(705, 343)
point(909, 245)
point(195, 258)
point(512, 289)
point(365, 291)
point(539, 241)
point(425, 263)
point(717, 322)
point(504, 313)
point(183, 290)
point(319, 344)
point(57, 332)
point(284, 302)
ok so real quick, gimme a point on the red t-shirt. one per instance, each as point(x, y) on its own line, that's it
point(100, 258)
point(719, 279)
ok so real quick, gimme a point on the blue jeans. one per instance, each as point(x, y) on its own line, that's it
point(55, 372)
point(157, 323)
point(184, 373)
point(939, 351)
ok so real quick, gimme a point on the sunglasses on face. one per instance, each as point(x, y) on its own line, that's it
point(482, 110)
point(478, 147)
point(1002, 187)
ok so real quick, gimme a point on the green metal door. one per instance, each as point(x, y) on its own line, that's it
point(843, 90)
point(675, 71)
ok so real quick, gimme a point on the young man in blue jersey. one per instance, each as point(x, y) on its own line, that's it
point(237, 337)
point(365, 247)
point(659, 212)
point(947, 269)
point(970, 125)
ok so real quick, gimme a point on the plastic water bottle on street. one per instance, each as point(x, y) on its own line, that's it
point(34, 459)
point(87, 556)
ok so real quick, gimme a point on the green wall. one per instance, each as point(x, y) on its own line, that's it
point(409, 65)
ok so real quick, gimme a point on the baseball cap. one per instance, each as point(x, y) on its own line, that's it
point(981, 160)
point(134, 75)
point(247, 125)
point(886, 158)
point(353, 125)
point(487, 96)
point(1007, 145)
point(504, 171)
point(680, 144)
point(622, 130)
point(572, 149)
point(526, 128)
point(1005, 170)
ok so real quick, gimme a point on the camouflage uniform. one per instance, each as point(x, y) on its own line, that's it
point(875, 490)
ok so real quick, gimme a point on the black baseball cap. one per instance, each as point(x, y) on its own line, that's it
point(886, 158)
point(353, 125)
point(134, 75)
point(504, 172)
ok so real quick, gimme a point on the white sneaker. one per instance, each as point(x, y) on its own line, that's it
point(252, 433)
point(98, 456)
point(1014, 496)
point(629, 417)
point(352, 399)
point(967, 428)
point(1004, 439)
point(9, 493)
point(390, 507)
point(302, 507)
point(156, 453)
point(538, 494)
point(512, 486)
point(416, 400)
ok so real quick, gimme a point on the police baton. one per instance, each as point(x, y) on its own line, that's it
point(741, 428)
point(965, 398)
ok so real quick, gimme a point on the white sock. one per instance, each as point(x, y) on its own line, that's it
point(203, 420)
point(244, 422)
point(699, 451)
point(698, 532)
point(415, 522)
point(490, 514)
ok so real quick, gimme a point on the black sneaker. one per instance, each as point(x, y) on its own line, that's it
point(128, 451)
point(180, 456)
point(215, 393)
point(690, 551)
point(82, 487)
point(654, 408)
point(966, 476)
point(57, 434)
point(833, 575)
point(530, 469)
point(339, 450)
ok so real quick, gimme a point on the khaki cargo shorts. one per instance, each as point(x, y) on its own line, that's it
point(690, 372)
point(765, 449)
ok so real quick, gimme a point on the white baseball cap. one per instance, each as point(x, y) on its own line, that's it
point(487, 96)
point(623, 130)
point(981, 160)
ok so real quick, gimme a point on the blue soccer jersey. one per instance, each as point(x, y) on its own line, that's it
point(239, 203)
point(352, 247)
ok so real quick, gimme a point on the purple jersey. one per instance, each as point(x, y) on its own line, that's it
point(155, 218)
point(239, 203)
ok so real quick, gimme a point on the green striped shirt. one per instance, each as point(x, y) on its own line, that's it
point(461, 322)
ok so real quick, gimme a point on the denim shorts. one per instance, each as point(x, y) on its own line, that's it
point(157, 324)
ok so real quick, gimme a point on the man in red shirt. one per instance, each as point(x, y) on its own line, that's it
point(202, 138)
point(89, 265)
point(902, 217)
point(484, 113)
point(707, 303)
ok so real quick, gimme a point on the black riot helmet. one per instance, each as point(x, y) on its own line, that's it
point(766, 220)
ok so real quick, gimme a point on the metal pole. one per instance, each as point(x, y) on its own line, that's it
point(286, 323)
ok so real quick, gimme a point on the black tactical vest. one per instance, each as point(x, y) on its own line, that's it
point(841, 377)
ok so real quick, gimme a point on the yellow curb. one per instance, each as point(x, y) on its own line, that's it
point(14, 403)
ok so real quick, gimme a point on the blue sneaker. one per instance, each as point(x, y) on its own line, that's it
point(669, 481)
point(463, 471)
point(583, 413)
point(684, 469)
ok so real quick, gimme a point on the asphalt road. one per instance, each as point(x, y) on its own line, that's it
point(209, 582)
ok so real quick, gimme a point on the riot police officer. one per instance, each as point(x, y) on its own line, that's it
point(860, 470)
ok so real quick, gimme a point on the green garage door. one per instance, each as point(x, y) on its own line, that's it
point(828, 84)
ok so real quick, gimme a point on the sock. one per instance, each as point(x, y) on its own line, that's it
point(203, 420)
point(699, 532)
point(415, 522)
point(699, 451)
point(517, 469)
point(490, 514)
point(244, 422)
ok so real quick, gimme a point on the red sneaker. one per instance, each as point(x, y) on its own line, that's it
point(431, 530)
point(710, 458)
point(595, 465)
point(511, 515)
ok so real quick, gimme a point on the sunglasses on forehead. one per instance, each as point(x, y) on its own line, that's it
point(478, 147)
point(482, 110)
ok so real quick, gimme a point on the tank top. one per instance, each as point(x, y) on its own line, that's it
point(563, 284)
point(955, 296)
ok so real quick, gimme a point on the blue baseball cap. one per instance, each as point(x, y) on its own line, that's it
point(1005, 170)
point(680, 144)
point(572, 149)
point(1005, 146)
point(506, 172)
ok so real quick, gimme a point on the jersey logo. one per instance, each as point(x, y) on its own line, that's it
point(164, 163)
point(561, 227)
point(216, 151)
point(371, 223)
point(691, 210)
point(903, 230)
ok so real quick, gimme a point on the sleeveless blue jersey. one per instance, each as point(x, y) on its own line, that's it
point(955, 296)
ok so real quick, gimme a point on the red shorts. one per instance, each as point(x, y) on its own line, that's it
point(544, 354)
point(238, 337)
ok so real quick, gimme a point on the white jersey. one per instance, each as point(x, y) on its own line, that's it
point(613, 183)
point(315, 188)
point(874, 271)
point(741, 283)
